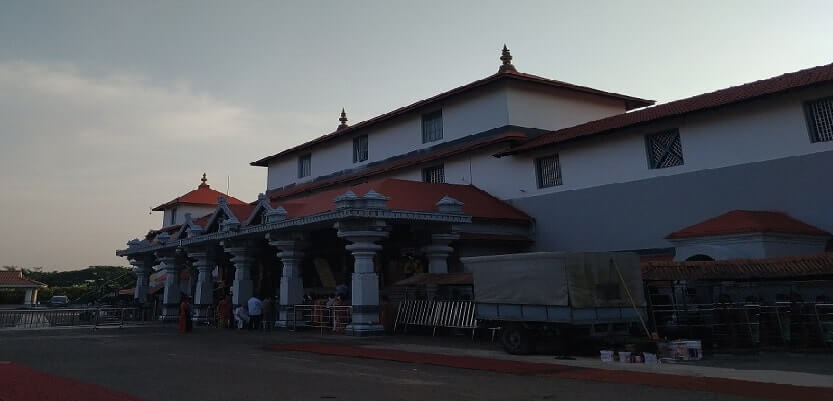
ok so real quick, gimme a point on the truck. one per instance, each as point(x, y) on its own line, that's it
point(566, 295)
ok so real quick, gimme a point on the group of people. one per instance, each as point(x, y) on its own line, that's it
point(252, 315)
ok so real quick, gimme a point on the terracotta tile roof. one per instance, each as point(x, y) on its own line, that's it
point(507, 76)
point(203, 195)
point(735, 94)
point(741, 269)
point(408, 195)
point(506, 134)
point(747, 221)
point(14, 278)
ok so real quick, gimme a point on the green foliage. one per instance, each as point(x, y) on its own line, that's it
point(97, 275)
point(85, 285)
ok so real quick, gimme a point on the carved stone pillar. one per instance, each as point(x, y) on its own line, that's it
point(142, 268)
point(171, 297)
point(438, 252)
point(243, 257)
point(291, 253)
point(365, 288)
point(204, 293)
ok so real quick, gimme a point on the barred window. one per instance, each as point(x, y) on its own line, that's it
point(820, 119)
point(432, 126)
point(664, 149)
point(359, 148)
point(434, 174)
point(548, 170)
point(304, 165)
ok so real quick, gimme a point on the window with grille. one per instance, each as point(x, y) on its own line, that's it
point(359, 148)
point(432, 126)
point(664, 149)
point(433, 174)
point(548, 170)
point(304, 166)
point(820, 119)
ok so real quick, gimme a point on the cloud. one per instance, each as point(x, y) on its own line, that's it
point(82, 158)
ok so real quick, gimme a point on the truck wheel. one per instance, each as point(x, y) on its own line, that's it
point(517, 340)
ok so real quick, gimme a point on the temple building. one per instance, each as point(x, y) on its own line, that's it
point(508, 163)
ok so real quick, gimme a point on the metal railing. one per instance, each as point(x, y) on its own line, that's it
point(321, 317)
point(72, 317)
point(747, 324)
point(431, 313)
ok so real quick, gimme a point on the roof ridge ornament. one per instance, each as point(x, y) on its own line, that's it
point(204, 180)
point(506, 58)
point(343, 120)
point(449, 205)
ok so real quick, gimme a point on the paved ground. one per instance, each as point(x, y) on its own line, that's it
point(210, 364)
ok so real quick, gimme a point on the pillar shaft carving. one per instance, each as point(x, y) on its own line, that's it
point(168, 263)
point(291, 253)
point(365, 287)
point(243, 257)
point(204, 293)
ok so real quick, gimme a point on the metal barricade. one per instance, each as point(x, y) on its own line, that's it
point(321, 317)
point(70, 317)
point(431, 313)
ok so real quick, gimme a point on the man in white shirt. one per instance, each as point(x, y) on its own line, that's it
point(255, 312)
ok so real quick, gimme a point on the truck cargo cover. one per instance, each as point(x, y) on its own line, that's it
point(577, 279)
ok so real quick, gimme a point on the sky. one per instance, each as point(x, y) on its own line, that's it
point(108, 108)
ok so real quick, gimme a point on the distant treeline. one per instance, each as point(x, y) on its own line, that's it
point(85, 285)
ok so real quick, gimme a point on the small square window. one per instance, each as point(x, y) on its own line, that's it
point(664, 149)
point(434, 174)
point(820, 119)
point(359, 148)
point(548, 170)
point(304, 165)
point(432, 126)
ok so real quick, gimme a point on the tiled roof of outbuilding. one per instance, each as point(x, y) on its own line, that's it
point(15, 278)
point(741, 269)
point(748, 221)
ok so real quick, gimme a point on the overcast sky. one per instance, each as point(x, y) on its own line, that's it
point(109, 108)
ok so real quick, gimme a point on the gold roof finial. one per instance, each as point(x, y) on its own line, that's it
point(506, 58)
point(343, 120)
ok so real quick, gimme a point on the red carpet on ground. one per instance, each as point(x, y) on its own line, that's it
point(689, 383)
point(19, 383)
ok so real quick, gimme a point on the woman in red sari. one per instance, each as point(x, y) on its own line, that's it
point(184, 315)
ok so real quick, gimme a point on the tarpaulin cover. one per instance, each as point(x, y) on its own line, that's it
point(580, 280)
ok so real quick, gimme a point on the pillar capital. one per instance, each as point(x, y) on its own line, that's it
point(243, 257)
point(438, 251)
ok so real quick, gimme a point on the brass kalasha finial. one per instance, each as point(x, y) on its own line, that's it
point(506, 58)
point(343, 120)
point(204, 180)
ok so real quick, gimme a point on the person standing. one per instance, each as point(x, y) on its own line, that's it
point(184, 315)
point(255, 312)
point(223, 313)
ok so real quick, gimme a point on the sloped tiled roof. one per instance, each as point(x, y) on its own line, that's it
point(14, 278)
point(203, 195)
point(741, 269)
point(504, 76)
point(408, 195)
point(442, 151)
point(735, 94)
point(748, 221)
